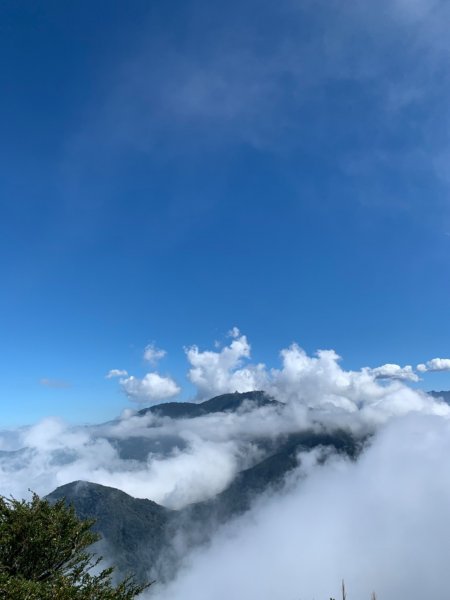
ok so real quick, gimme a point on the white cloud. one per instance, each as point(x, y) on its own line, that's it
point(398, 490)
point(304, 382)
point(215, 373)
point(382, 523)
point(392, 371)
point(246, 93)
point(315, 381)
point(56, 453)
point(321, 385)
point(234, 332)
point(203, 469)
point(151, 388)
point(313, 387)
point(116, 373)
point(153, 354)
point(434, 365)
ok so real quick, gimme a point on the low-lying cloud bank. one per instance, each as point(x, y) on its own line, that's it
point(382, 522)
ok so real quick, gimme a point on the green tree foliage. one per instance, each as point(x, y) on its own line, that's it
point(44, 555)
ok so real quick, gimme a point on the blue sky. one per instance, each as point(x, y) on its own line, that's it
point(170, 170)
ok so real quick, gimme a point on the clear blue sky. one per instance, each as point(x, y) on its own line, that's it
point(172, 169)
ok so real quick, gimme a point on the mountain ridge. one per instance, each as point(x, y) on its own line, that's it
point(221, 403)
point(139, 533)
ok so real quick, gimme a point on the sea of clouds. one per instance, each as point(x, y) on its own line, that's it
point(382, 522)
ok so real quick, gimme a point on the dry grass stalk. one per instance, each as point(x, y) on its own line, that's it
point(344, 593)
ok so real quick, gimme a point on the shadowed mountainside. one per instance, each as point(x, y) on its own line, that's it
point(133, 530)
point(444, 395)
point(138, 448)
point(139, 534)
point(222, 403)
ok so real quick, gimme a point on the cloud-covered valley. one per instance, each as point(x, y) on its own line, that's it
point(380, 521)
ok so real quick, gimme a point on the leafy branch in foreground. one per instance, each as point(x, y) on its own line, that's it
point(44, 555)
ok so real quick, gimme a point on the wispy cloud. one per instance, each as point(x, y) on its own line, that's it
point(55, 383)
point(116, 373)
point(152, 354)
point(360, 88)
point(250, 82)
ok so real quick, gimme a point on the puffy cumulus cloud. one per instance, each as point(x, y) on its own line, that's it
point(215, 373)
point(316, 384)
point(382, 523)
point(151, 388)
point(315, 381)
point(116, 373)
point(305, 383)
point(321, 385)
point(392, 371)
point(318, 389)
point(153, 354)
point(434, 365)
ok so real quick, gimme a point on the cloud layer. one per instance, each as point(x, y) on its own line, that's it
point(192, 459)
point(380, 522)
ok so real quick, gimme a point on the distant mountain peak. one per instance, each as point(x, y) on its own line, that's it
point(445, 395)
point(223, 403)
